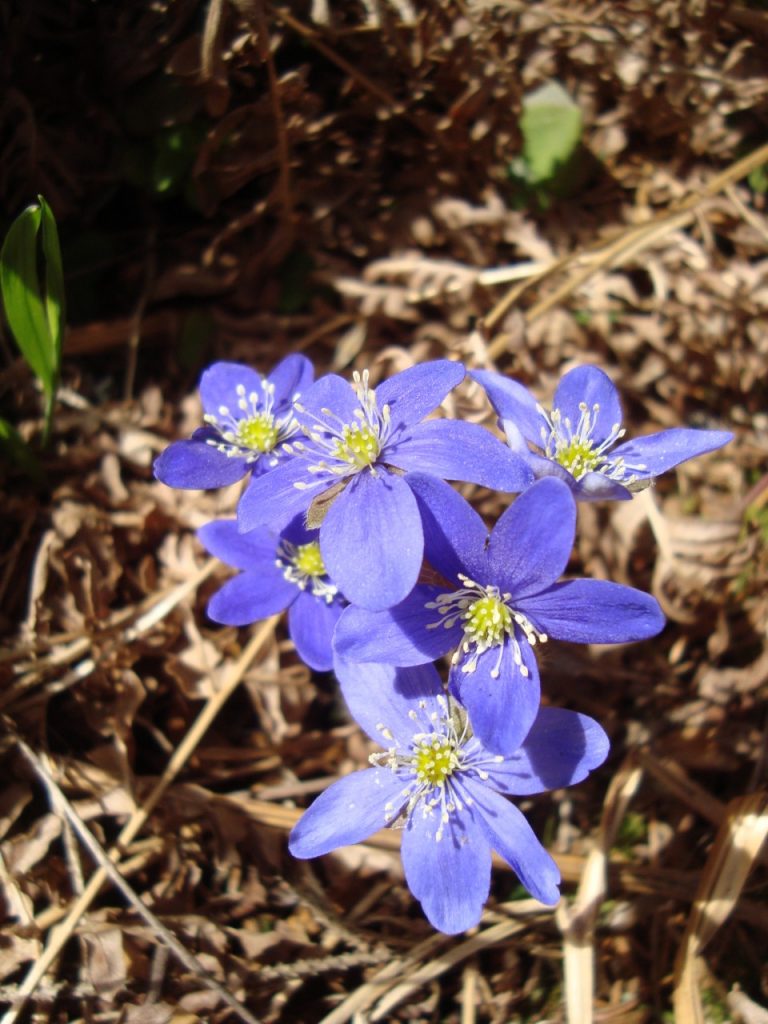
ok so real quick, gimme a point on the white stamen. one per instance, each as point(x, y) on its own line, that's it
point(575, 447)
point(254, 410)
point(288, 559)
point(340, 448)
point(433, 763)
point(488, 622)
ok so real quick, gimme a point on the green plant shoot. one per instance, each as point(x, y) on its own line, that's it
point(32, 288)
point(551, 125)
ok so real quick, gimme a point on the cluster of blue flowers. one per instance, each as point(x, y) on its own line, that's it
point(348, 522)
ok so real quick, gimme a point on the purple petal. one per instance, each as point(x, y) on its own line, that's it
point(656, 453)
point(292, 376)
point(547, 469)
point(561, 748)
point(597, 487)
point(518, 443)
point(297, 533)
point(197, 466)
point(329, 392)
point(514, 403)
point(415, 392)
point(456, 450)
point(372, 542)
point(594, 612)
point(347, 812)
point(251, 596)
point(454, 534)
point(381, 698)
point(311, 622)
point(274, 499)
point(402, 635)
point(222, 539)
point(593, 387)
point(450, 877)
point(501, 709)
point(509, 834)
point(219, 383)
point(531, 543)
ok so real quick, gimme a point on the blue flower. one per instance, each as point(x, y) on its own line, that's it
point(278, 572)
point(577, 440)
point(491, 600)
point(437, 782)
point(248, 420)
point(351, 474)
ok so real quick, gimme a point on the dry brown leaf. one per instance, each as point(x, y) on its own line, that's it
point(16, 950)
point(23, 852)
point(105, 962)
point(155, 1013)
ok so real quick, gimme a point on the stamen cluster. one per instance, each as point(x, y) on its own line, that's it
point(343, 448)
point(577, 451)
point(433, 762)
point(303, 565)
point(254, 430)
point(487, 618)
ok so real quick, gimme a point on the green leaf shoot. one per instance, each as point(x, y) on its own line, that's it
point(32, 289)
point(551, 126)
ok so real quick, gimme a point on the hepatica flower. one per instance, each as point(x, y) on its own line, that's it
point(248, 420)
point(578, 440)
point(277, 572)
point(446, 791)
point(493, 600)
point(351, 474)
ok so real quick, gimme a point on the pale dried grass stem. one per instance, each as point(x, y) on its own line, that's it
point(577, 921)
point(736, 849)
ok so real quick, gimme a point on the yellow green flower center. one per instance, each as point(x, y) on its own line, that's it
point(308, 559)
point(358, 445)
point(259, 432)
point(487, 620)
point(435, 759)
point(578, 457)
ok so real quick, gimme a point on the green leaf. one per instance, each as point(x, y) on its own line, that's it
point(758, 179)
point(551, 126)
point(16, 450)
point(32, 289)
point(196, 333)
point(176, 150)
point(22, 298)
point(55, 300)
point(295, 282)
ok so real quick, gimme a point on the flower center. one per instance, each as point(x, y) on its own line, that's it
point(577, 457)
point(308, 559)
point(432, 763)
point(338, 449)
point(358, 446)
point(302, 564)
point(487, 622)
point(434, 760)
point(259, 432)
point(252, 430)
point(573, 447)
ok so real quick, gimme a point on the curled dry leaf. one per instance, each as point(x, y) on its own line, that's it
point(105, 966)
